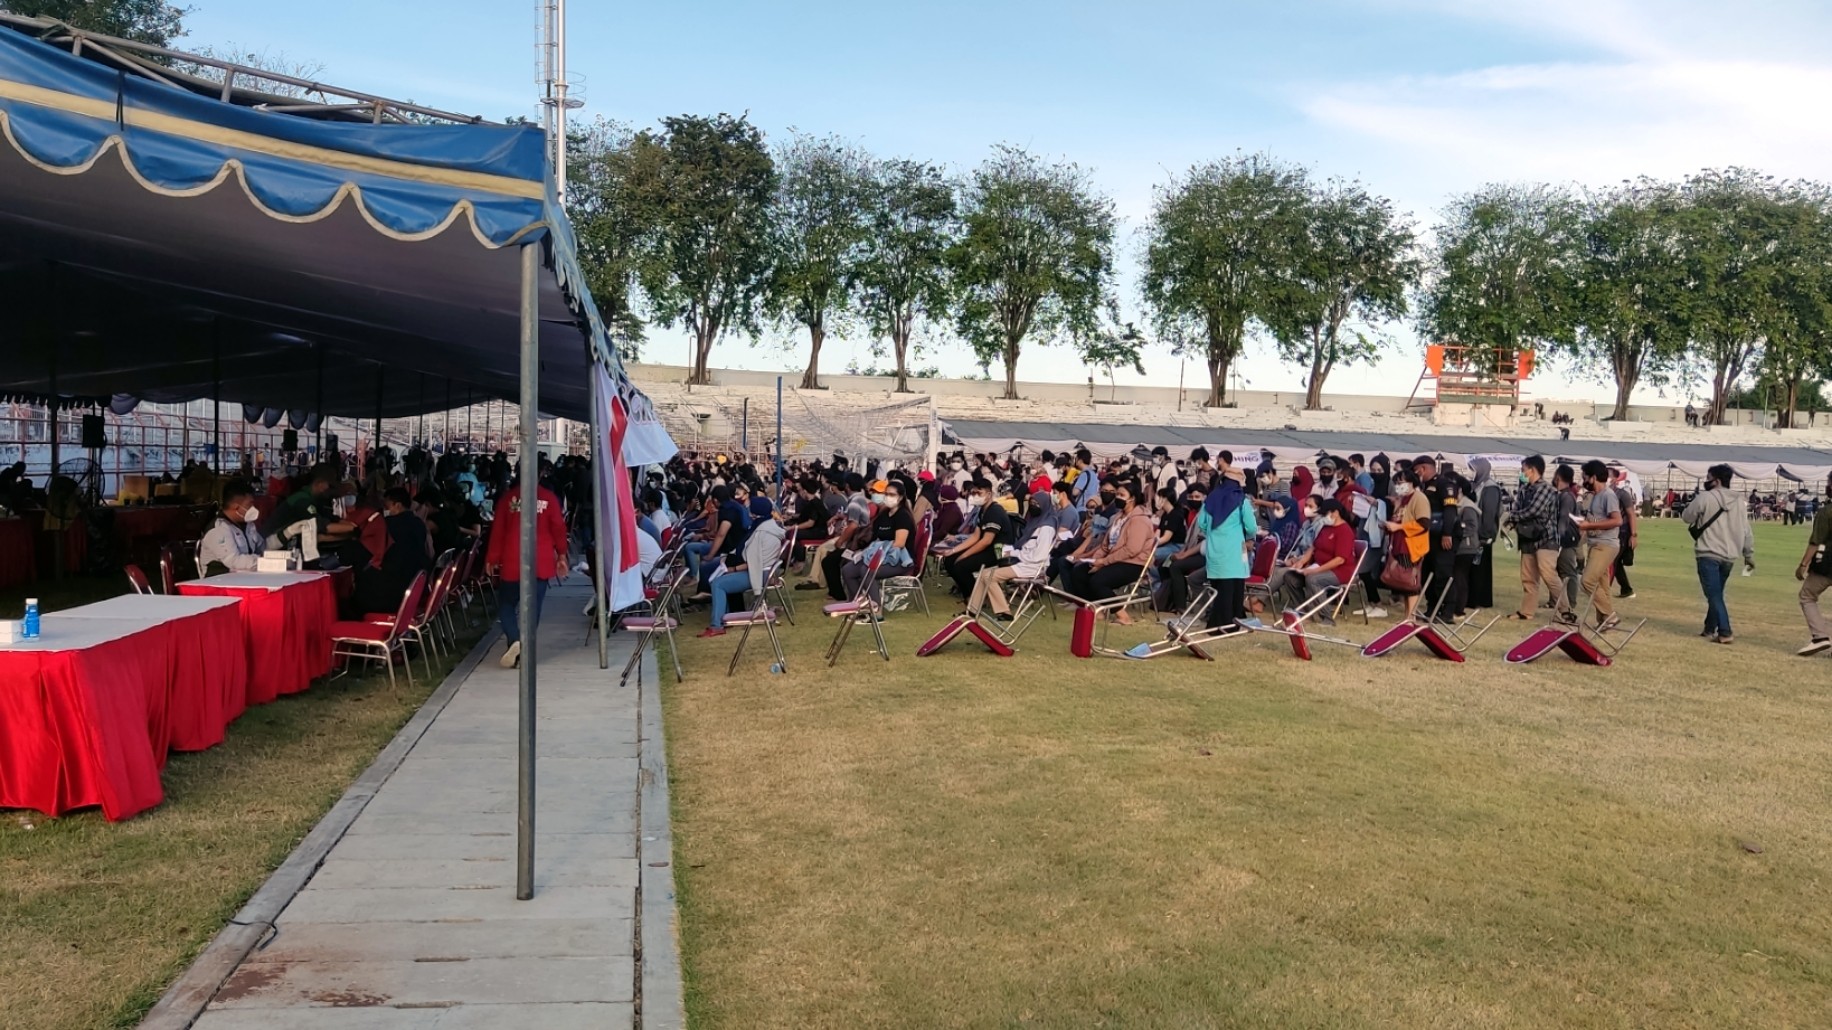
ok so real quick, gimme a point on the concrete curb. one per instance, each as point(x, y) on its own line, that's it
point(185, 1000)
point(663, 1005)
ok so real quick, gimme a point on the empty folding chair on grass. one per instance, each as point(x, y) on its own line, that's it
point(760, 614)
point(660, 621)
point(860, 608)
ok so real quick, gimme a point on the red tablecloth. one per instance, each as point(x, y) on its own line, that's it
point(18, 558)
point(209, 659)
point(287, 618)
point(88, 713)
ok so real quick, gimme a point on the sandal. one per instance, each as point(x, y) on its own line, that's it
point(1516, 616)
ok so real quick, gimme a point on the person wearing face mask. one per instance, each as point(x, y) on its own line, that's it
point(846, 532)
point(980, 550)
point(1328, 561)
point(1286, 581)
point(1409, 527)
point(1121, 555)
point(1326, 477)
point(893, 530)
point(1532, 515)
point(748, 570)
point(1718, 521)
point(957, 474)
point(234, 542)
point(1187, 564)
point(1279, 510)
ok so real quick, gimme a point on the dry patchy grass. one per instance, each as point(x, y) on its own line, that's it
point(100, 917)
point(1040, 841)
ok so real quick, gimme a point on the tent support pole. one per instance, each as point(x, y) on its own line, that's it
point(528, 621)
point(376, 446)
point(320, 401)
point(57, 537)
point(216, 394)
point(602, 467)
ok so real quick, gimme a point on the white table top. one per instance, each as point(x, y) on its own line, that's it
point(157, 607)
point(257, 580)
point(60, 633)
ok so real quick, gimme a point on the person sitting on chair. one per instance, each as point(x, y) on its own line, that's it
point(1124, 549)
point(1324, 566)
point(234, 543)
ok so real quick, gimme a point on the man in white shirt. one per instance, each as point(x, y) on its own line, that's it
point(233, 544)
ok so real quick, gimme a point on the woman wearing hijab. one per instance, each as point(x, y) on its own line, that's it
point(1227, 525)
point(1379, 470)
point(1485, 494)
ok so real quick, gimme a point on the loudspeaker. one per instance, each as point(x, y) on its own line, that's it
point(93, 436)
point(289, 440)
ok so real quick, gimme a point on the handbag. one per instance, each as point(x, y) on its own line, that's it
point(1400, 574)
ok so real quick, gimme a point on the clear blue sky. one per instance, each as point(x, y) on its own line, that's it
point(1422, 99)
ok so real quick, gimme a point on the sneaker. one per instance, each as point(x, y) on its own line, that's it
point(1252, 623)
point(512, 657)
point(711, 631)
point(1002, 616)
point(1375, 612)
point(808, 585)
point(1630, 596)
point(1725, 639)
point(1819, 644)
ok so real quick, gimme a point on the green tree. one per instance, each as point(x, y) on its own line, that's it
point(902, 274)
point(1114, 345)
point(1503, 275)
point(1349, 256)
point(1632, 290)
point(822, 202)
point(705, 185)
point(1799, 338)
point(1731, 222)
point(609, 223)
point(144, 21)
point(1215, 247)
point(1035, 259)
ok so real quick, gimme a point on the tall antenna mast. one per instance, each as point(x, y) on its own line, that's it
point(556, 94)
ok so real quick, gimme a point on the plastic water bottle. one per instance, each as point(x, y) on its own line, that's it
point(775, 668)
point(30, 632)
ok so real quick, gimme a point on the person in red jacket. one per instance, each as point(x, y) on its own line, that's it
point(504, 558)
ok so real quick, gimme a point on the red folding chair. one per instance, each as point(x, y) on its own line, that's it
point(378, 638)
point(660, 621)
point(1259, 573)
point(137, 579)
point(895, 589)
point(860, 608)
point(761, 614)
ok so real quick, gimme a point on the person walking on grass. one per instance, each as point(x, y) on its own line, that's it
point(1601, 524)
point(1815, 575)
point(1719, 524)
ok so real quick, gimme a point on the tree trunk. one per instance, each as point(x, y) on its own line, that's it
point(705, 337)
point(1218, 379)
point(900, 342)
point(1313, 390)
point(1011, 372)
point(811, 379)
point(1793, 398)
point(1624, 387)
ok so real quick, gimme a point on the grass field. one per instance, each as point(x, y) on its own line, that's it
point(967, 841)
point(99, 918)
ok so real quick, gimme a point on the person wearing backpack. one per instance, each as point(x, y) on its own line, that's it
point(1630, 538)
point(1564, 480)
point(1719, 525)
point(1815, 575)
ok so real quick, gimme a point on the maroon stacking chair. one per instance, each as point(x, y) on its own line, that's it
point(379, 638)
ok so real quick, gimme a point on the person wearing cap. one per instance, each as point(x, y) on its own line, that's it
point(1326, 478)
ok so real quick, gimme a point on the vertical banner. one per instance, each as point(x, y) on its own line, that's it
point(617, 515)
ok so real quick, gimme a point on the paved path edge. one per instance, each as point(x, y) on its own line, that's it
point(186, 999)
point(661, 999)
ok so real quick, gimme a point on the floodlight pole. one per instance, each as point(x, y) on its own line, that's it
point(528, 624)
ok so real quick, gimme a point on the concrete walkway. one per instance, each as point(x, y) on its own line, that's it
point(411, 921)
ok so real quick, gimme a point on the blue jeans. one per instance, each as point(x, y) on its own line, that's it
point(1713, 576)
point(1161, 552)
point(508, 612)
point(695, 551)
point(722, 590)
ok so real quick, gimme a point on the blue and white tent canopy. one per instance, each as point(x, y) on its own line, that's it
point(157, 242)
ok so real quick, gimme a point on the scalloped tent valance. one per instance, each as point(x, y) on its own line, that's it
point(157, 243)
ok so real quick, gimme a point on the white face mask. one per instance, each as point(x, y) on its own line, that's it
point(251, 516)
point(956, 466)
point(892, 502)
point(976, 501)
point(1403, 490)
point(1310, 513)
